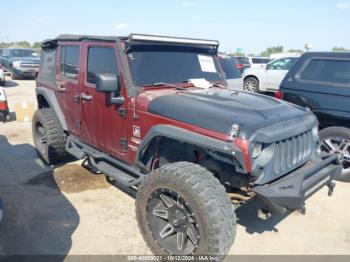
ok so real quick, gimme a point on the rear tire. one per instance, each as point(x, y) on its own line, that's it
point(251, 84)
point(337, 139)
point(49, 137)
point(201, 202)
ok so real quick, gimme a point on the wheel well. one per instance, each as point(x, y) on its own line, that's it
point(251, 76)
point(42, 102)
point(163, 150)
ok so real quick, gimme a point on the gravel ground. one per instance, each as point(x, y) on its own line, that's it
point(67, 210)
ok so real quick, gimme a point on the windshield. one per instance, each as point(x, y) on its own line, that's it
point(242, 60)
point(155, 64)
point(261, 60)
point(23, 53)
point(229, 65)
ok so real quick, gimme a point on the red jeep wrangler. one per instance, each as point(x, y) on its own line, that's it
point(154, 115)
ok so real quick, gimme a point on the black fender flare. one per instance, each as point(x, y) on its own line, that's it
point(51, 99)
point(186, 136)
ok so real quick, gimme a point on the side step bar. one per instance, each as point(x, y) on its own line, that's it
point(119, 173)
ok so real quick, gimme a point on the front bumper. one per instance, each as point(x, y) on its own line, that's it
point(25, 72)
point(291, 191)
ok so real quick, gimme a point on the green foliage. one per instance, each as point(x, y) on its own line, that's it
point(20, 44)
point(339, 49)
point(295, 51)
point(36, 45)
point(272, 50)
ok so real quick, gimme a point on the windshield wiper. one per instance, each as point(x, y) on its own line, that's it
point(169, 85)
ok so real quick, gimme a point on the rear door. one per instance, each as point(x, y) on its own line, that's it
point(275, 72)
point(104, 126)
point(323, 85)
point(69, 86)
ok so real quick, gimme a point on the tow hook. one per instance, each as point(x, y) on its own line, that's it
point(331, 186)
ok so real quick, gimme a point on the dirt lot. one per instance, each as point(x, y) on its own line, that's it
point(67, 210)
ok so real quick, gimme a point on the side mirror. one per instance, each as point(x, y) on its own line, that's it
point(268, 66)
point(107, 83)
point(110, 83)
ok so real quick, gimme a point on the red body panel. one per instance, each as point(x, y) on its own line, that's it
point(98, 122)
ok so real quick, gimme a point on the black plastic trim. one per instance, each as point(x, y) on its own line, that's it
point(51, 98)
point(183, 135)
point(291, 191)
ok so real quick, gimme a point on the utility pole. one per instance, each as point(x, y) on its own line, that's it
point(308, 47)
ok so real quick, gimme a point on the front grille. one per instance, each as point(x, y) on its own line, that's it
point(27, 65)
point(292, 152)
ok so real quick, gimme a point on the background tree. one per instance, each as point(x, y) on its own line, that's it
point(295, 51)
point(272, 50)
point(36, 45)
point(339, 49)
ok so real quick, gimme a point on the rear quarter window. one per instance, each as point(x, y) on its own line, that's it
point(322, 70)
point(70, 57)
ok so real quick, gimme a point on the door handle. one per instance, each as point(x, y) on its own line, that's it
point(85, 97)
point(61, 89)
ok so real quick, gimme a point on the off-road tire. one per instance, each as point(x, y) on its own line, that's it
point(54, 150)
point(204, 194)
point(253, 81)
point(340, 132)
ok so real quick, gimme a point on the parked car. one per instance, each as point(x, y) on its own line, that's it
point(233, 75)
point(2, 76)
point(321, 82)
point(4, 110)
point(269, 78)
point(150, 112)
point(259, 62)
point(243, 63)
point(20, 62)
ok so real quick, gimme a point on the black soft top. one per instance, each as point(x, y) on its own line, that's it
point(132, 39)
point(78, 38)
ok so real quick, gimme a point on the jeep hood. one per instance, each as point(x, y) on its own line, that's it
point(218, 110)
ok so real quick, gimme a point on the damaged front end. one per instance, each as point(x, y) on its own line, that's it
point(285, 164)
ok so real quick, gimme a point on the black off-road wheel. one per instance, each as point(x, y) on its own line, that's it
point(182, 209)
point(251, 84)
point(337, 140)
point(49, 137)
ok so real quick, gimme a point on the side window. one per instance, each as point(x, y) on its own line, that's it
point(101, 60)
point(70, 57)
point(327, 70)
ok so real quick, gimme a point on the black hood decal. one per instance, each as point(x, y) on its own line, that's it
point(218, 110)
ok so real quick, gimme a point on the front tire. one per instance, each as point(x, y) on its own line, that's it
point(182, 209)
point(251, 84)
point(49, 137)
point(337, 140)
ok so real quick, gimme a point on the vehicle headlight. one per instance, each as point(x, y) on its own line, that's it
point(256, 150)
point(16, 64)
point(315, 133)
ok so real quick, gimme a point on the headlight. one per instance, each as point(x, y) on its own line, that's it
point(257, 147)
point(16, 64)
point(315, 133)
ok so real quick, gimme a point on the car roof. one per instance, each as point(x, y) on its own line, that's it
point(327, 54)
point(131, 38)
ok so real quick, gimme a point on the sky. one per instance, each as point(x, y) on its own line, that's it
point(250, 25)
